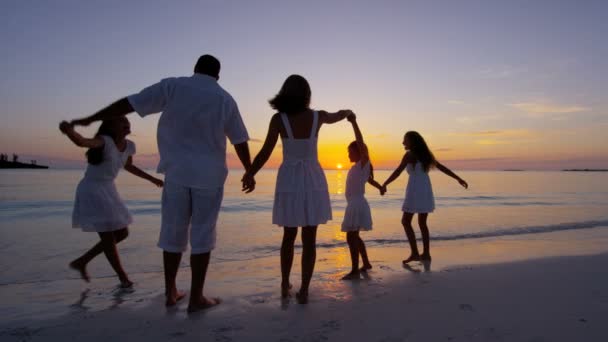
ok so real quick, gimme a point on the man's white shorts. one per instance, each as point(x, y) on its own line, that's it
point(189, 211)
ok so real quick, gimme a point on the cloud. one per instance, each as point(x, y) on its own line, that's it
point(456, 102)
point(500, 71)
point(445, 149)
point(491, 142)
point(495, 133)
point(538, 108)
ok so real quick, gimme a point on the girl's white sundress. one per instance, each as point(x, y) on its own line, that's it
point(419, 198)
point(301, 195)
point(98, 206)
point(357, 215)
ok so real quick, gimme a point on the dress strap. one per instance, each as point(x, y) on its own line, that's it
point(315, 123)
point(287, 125)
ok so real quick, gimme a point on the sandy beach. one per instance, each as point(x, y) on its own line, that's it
point(519, 292)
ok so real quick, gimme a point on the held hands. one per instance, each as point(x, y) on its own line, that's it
point(352, 118)
point(158, 182)
point(248, 183)
point(65, 127)
point(382, 190)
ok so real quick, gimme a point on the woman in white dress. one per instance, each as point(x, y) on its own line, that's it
point(301, 194)
point(419, 199)
point(98, 206)
point(358, 216)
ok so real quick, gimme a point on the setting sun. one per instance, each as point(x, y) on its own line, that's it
point(339, 166)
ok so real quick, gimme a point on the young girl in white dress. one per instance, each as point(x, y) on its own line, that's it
point(357, 215)
point(419, 199)
point(301, 196)
point(98, 206)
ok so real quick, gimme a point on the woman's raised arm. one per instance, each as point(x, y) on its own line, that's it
point(80, 141)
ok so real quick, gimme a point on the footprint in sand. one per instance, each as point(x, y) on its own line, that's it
point(386, 268)
point(466, 307)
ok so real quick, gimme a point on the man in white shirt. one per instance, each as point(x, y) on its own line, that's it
point(197, 116)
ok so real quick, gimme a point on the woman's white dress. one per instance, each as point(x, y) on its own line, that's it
point(357, 215)
point(419, 198)
point(301, 195)
point(98, 206)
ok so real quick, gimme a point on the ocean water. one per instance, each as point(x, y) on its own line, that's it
point(37, 241)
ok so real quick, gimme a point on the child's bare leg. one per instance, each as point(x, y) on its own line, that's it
point(289, 239)
point(109, 249)
point(426, 240)
point(80, 264)
point(309, 256)
point(199, 264)
point(352, 238)
point(363, 252)
point(411, 237)
point(171, 265)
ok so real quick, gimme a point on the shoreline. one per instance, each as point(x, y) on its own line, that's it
point(522, 288)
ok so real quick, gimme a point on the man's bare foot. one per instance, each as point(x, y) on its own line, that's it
point(173, 298)
point(82, 269)
point(425, 257)
point(285, 293)
point(302, 297)
point(353, 275)
point(365, 268)
point(202, 304)
point(413, 257)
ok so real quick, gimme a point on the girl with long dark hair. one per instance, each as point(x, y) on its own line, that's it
point(419, 198)
point(98, 206)
point(301, 196)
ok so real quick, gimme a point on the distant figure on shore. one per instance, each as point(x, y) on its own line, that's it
point(197, 116)
point(15, 158)
point(357, 215)
point(98, 206)
point(301, 195)
point(419, 198)
point(3, 157)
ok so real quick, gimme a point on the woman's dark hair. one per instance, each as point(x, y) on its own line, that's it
point(421, 150)
point(95, 155)
point(355, 146)
point(294, 96)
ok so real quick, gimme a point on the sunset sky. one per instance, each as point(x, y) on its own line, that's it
point(489, 84)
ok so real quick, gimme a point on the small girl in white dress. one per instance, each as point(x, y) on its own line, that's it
point(419, 199)
point(357, 215)
point(98, 206)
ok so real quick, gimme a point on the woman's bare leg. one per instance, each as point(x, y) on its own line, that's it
point(352, 238)
point(364, 258)
point(109, 249)
point(309, 256)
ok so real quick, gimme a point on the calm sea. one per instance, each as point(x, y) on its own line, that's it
point(37, 241)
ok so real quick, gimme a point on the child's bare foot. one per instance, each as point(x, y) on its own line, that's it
point(174, 297)
point(365, 268)
point(425, 256)
point(82, 269)
point(126, 284)
point(285, 293)
point(302, 297)
point(353, 275)
point(202, 304)
point(413, 257)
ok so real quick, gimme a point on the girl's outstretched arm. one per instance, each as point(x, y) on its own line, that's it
point(398, 171)
point(359, 136)
point(330, 118)
point(80, 141)
point(449, 172)
point(141, 173)
point(119, 108)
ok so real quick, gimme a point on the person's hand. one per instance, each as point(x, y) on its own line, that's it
point(382, 190)
point(64, 127)
point(248, 183)
point(80, 122)
point(158, 182)
point(351, 117)
point(463, 183)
